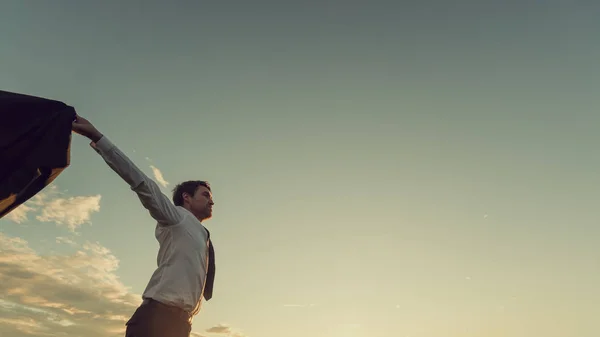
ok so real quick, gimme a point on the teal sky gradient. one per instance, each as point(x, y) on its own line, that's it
point(418, 170)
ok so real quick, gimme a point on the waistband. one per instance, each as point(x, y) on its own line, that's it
point(178, 312)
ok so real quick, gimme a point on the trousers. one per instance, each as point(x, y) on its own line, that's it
point(154, 319)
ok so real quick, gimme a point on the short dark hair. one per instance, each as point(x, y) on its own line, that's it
point(188, 187)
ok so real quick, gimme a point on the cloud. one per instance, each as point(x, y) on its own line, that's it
point(71, 212)
point(70, 295)
point(221, 328)
point(65, 240)
point(196, 334)
point(159, 176)
point(19, 214)
point(52, 206)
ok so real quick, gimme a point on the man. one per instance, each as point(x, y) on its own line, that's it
point(185, 258)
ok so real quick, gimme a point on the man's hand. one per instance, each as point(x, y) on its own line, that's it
point(83, 127)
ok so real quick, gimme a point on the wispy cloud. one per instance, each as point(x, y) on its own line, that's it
point(65, 240)
point(196, 334)
point(221, 329)
point(19, 214)
point(71, 212)
point(51, 205)
point(61, 295)
point(159, 176)
point(69, 295)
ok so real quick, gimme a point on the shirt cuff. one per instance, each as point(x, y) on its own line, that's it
point(103, 145)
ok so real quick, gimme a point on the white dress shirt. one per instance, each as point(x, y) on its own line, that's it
point(183, 241)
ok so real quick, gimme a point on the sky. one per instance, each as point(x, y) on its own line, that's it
point(379, 169)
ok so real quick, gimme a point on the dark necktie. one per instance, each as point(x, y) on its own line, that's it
point(210, 274)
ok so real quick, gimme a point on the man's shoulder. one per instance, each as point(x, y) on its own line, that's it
point(183, 211)
point(186, 217)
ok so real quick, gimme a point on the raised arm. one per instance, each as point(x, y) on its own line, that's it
point(158, 204)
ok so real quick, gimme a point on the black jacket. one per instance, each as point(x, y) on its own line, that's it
point(35, 141)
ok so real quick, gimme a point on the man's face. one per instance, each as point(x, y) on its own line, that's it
point(201, 203)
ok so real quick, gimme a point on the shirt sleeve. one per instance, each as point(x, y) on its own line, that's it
point(158, 204)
